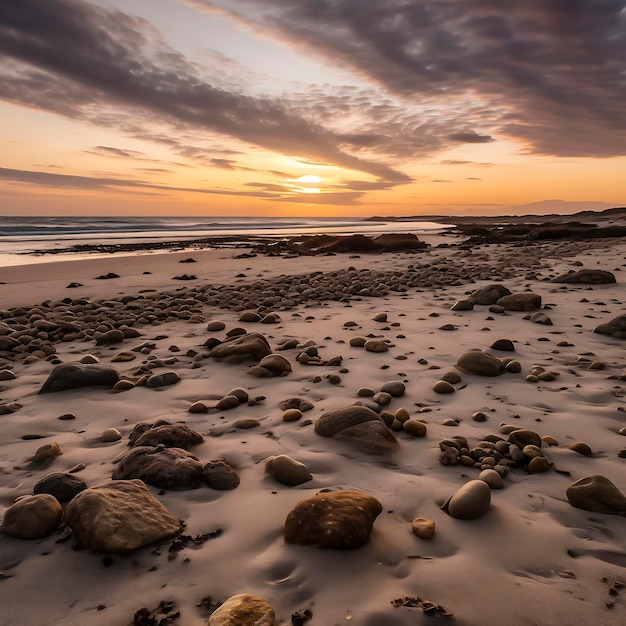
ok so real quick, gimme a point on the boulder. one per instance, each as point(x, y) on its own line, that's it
point(165, 468)
point(342, 520)
point(248, 347)
point(243, 610)
point(169, 435)
point(615, 328)
point(119, 517)
point(520, 302)
point(74, 375)
point(32, 517)
point(586, 277)
point(480, 363)
point(110, 337)
point(598, 494)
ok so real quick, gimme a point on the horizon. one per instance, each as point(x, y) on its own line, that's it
point(250, 108)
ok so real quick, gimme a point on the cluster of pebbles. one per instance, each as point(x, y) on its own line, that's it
point(513, 448)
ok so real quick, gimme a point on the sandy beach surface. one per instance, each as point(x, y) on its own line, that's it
point(528, 557)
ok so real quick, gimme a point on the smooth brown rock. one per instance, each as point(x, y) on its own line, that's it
point(341, 520)
point(444, 387)
point(414, 428)
point(580, 447)
point(586, 277)
point(615, 328)
point(32, 517)
point(219, 474)
point(119, 517)
point(480, 363)
point(523, 437)
point(471, 501)
point(169, 435)
point(489, 294)
point(286, 470)
point(248, 347)
point(423, 527)
point(520, 302)
point(75, 375)
point(596, 493)
point(243, 610)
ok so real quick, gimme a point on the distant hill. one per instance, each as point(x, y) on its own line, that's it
point(553, 206)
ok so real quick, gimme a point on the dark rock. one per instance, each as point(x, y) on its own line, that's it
point(489, 295)
point(341, 520)
point(62, 485)
point(598, 494)
point(165, 468)
point(587, 277)
point(74, 375)
point(247, 347)
point(169, 435)
point(220, 475)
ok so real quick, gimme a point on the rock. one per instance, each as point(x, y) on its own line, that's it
point(442, 386)
point(250, 316)
point(340, 520)
point(7, 375)
point(492, 478)
point(587, 277)
point(538, 465)
point(504, 345)
point(395, 388)
point(513, 367)
point(62, 485)
point(454, 378)
point(109, 337)
point(292, 415)
point(165, 468)
point(287, 471)
point(581, 448)
point(523, 437)
point(540, 318)
point(32, 517)
point(215, 326)
point(243, 610)
point(375, 345)
point(615, 328)
point(520, 302)
point(480, 363)
point(470, 501)
point(169, 435)
point(489, 295)
point(414, 428)
point(110, 435)
point(248, 347)
point(359, 426)
point(124, 357)
point(162, 380)
point(598, 494)
point(74, 375)
point(423, 527)
point(462, 305)
point(332, 422)
point(276, 364)
point(119, 517)
point(219, 474)
point(46, 454)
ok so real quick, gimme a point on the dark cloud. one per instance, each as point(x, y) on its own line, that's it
point(116, 152)
point(471, 137)
point(549, 73)
point(76, 59)
point(104, 183)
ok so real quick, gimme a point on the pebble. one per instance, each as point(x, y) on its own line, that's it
point(581, 448)
point(414, 428)
point(423, 527)
point(110, 435)
point(292, 415)
point(470, 501)
point(444, 387)
point(375, 345)
point(46, 453)
point(492, 478)
point(286, 470)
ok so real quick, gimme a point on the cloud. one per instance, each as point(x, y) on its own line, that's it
point(80, 60)
point(547, 73)
point(471, 137)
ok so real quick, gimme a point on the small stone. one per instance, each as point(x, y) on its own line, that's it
point(454, 378)
point(292, 415)
point(62, 485)
point(470, 501)
point(243, 610)
point(480, 363)
point(220, 475)
point(513, 367)
point(414, 428)
point(198, 407)
point(215, 326)
point(110, 435)
point(287, 471)
point(538, 465)
point(581, 448)
point(522, 437)
point(423, 527)
point(441, 386)
point(381, 398)
point(376, 345)
point(46, 453)
point(394, 388)
point(479, 416)
point(227, 402)
point(504, 345)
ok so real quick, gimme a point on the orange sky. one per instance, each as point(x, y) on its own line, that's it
point(250, 107)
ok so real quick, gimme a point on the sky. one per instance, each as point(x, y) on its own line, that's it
point(311, 107)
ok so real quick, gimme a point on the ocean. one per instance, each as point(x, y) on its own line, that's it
point(32, 239)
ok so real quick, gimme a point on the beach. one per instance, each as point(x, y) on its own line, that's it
point(336, 329)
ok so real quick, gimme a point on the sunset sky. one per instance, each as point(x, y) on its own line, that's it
point(311, 107)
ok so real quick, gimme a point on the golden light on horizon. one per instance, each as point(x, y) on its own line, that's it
point(309, 178)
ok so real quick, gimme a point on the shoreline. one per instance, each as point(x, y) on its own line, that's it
point(531, 558)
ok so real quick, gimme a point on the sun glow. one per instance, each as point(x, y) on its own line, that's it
point(309, 178)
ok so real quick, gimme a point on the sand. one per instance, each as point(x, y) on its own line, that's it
point(532, 558)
